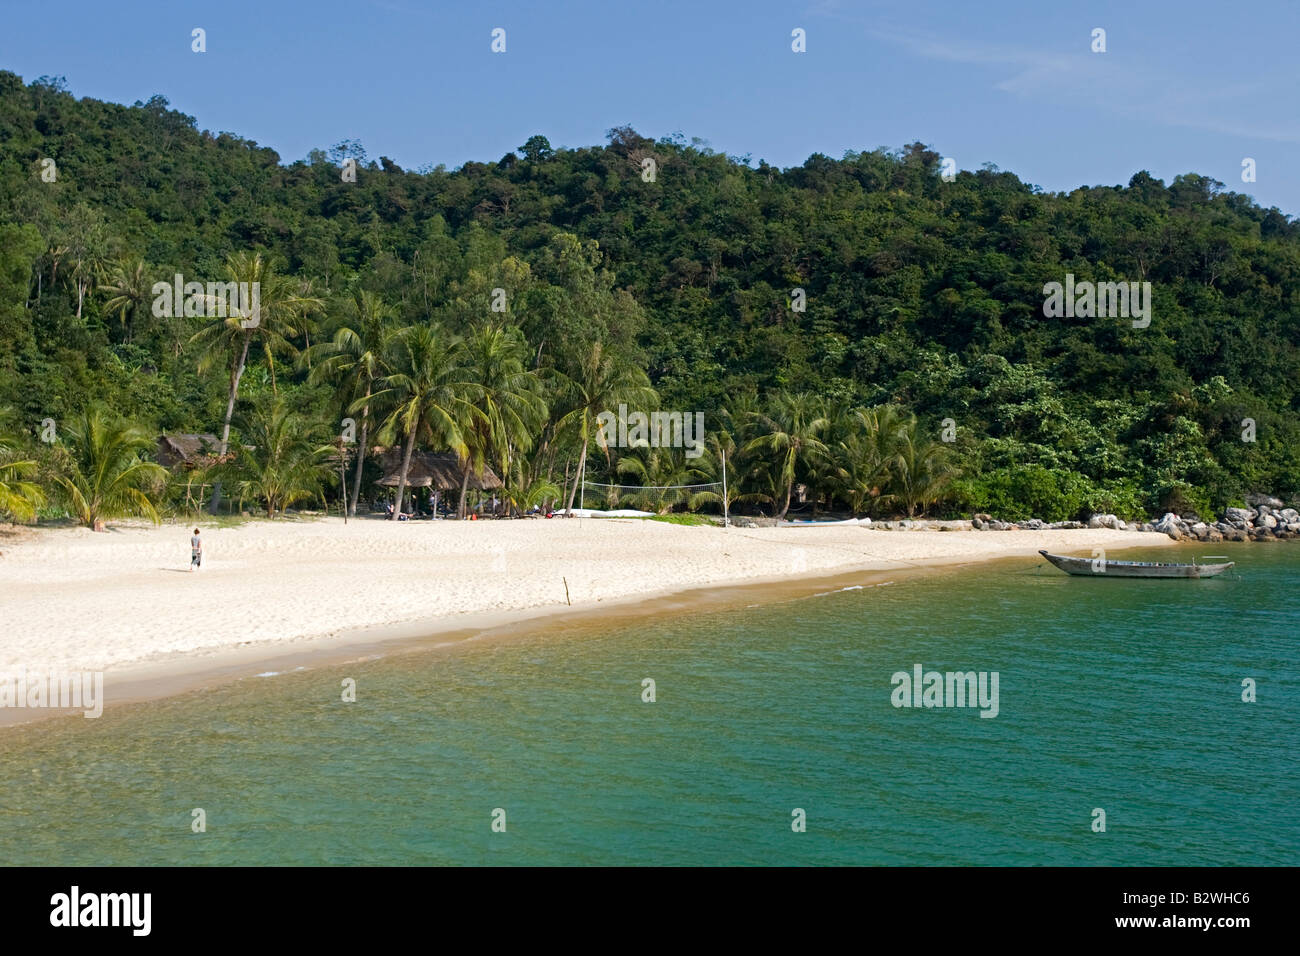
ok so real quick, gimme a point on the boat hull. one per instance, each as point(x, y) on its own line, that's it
point(1100, 568)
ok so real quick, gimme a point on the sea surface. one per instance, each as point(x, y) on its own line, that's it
point(1114, 695)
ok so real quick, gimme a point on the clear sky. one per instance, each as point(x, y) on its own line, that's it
point(1182, 87)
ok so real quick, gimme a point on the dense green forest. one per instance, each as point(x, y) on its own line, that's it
point(659, 274)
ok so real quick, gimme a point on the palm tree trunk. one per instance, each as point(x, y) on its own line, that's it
point(361, 455)
point(464, 487)
point(789, 490)
point(577, 478)
point(406, 467)
point(225, 428)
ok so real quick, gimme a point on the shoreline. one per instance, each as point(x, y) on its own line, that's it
point(461, 597)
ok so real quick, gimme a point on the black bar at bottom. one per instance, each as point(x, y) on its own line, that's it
point(947, 906)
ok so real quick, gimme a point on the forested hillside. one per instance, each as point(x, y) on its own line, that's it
point(924, 302)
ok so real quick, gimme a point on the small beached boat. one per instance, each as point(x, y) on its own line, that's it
point(1135, 569)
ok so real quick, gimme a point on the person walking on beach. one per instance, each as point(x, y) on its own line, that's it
point(196, 551)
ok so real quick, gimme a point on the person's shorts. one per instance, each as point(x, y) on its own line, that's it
point(196, 557)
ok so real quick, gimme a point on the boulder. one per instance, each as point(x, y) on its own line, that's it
point(1235, 534)
point(1266, 521)
point(1170, 520)
point(977, 523)
point(1289, 515)
point(1263, 500)
point(1239, 517)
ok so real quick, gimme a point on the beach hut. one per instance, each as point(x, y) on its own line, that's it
point(187, 451)
point(439, 471)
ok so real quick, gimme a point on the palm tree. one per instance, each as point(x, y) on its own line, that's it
point(19, 498)
point(129, 291)
point(522, 494)
point(601, 382)
point(227, 339)
point(431, 392)
point(660, 468)
point(868, 452)
point(104, 474)
point(509, 397)
point(789, 432)
point(922, 468)
point(287, 460)
point(355, 358)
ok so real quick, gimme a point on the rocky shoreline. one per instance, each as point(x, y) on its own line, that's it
point(1266, 519)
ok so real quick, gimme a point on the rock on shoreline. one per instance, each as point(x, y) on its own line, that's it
point(1265, 520)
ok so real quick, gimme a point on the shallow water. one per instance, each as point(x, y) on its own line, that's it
point(1113, 694)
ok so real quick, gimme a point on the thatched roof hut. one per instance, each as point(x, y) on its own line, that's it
point(190, 451)
point(439, 470)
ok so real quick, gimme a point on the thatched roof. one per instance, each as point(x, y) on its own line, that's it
point(192, 451)
point(440, 470)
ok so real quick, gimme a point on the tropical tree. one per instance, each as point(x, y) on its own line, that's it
point(103, 473)
point(789, 433)
point(665, 475)
point(522, 493)
point(19, 498)
point(922, 468)
point(354, 358)
point(431, 394)
point(286, 458)
point(509, 396)
point(601, 381)
point(130, 292)
point(867, 454)
point(226, 339)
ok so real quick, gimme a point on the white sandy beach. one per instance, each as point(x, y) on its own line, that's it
point(74, 600)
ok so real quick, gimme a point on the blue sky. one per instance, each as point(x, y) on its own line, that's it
point(1183, 86)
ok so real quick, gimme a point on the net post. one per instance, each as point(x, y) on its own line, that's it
point(726, 517)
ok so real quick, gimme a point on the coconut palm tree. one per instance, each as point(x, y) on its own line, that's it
point(103, 472)
point(19, 498)
point(509, 397)
point(226, 339)
point(660, 468)
point(354, 358)
point(790, 432)
point(521, 493)
point(287, 459)
point(601, 381)
point(431, 394)
point(129, 291)
point(922, 468)
point(867, 454)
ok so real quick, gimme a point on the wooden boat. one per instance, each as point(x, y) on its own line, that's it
point(1134, 569)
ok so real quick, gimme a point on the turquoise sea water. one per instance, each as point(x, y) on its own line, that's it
point(1119, 695)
